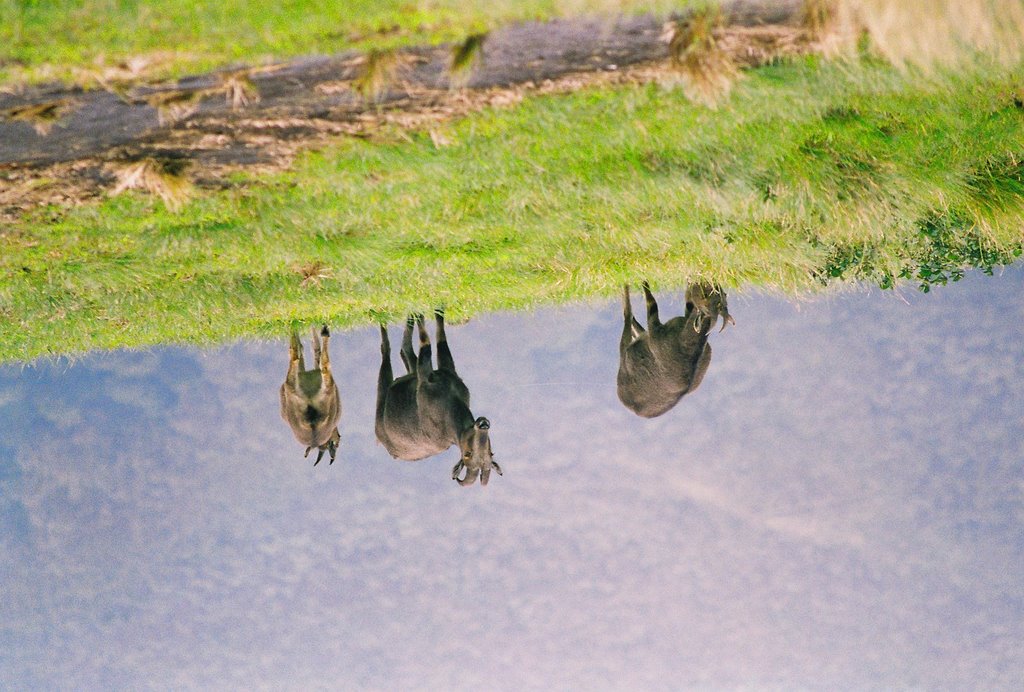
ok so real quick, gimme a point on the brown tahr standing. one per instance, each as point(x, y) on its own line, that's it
point(310, 403)
point(426, 411)
point(660, 365)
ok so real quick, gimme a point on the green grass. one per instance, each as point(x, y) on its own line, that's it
point(66, 39)
point(809, 173)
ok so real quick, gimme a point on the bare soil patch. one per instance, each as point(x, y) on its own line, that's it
point(67, 146)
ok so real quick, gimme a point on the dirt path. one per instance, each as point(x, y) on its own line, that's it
point(67, 146)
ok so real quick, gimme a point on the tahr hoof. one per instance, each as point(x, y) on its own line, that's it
point(324, 331)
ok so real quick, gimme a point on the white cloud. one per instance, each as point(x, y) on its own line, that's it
point(839, 505)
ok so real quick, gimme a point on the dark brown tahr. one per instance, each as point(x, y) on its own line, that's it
point(426, 411)
point(661, 365)
point(309, 398)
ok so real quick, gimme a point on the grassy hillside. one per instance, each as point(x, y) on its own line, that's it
point(809, 172)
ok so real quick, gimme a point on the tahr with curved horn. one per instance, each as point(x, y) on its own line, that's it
point(660, 365)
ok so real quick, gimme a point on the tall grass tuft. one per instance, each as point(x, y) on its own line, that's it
point(706, 72)
point(380, 68)
point(819, 17)
point(239, 91)
point(465, 57)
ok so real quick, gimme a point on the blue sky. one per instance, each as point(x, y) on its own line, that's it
point(841, 504)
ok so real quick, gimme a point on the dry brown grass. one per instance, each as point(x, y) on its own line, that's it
point(164, 179)
point(312, 273)
point(130, 70)
point(439, 139)
point(41, 116)
point(923, 33)
point(172, 106)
